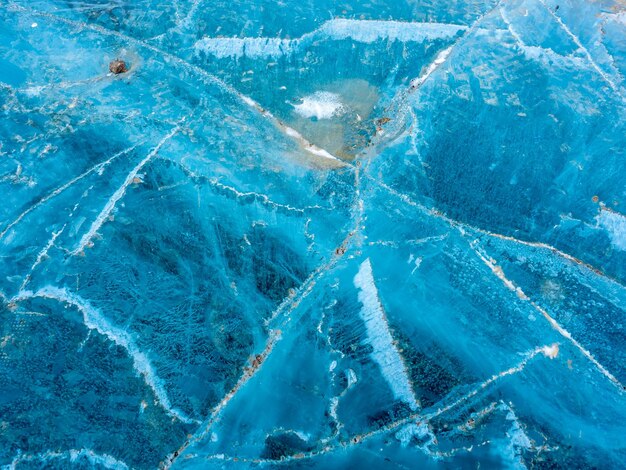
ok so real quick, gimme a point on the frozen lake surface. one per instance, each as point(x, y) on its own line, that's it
point(313, 234)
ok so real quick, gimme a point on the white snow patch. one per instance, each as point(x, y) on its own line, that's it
point(408, 432)
point(385, 353)
point(351, 378)
point(615, 224)
point(321, 104)
point(518, 439)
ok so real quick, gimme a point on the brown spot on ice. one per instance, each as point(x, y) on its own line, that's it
point(383, 120)
point(117, 66)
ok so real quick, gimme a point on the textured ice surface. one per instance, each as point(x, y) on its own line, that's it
point(385, 234)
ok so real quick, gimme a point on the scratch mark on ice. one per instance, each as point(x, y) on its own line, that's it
point(585, 51)
point(99, 167)
point(40, 257)
point(497, 271)
point(119, 194)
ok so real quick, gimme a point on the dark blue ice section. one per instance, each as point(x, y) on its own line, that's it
point(312, 234)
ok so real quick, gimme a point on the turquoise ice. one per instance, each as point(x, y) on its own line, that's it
point(313, 234)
